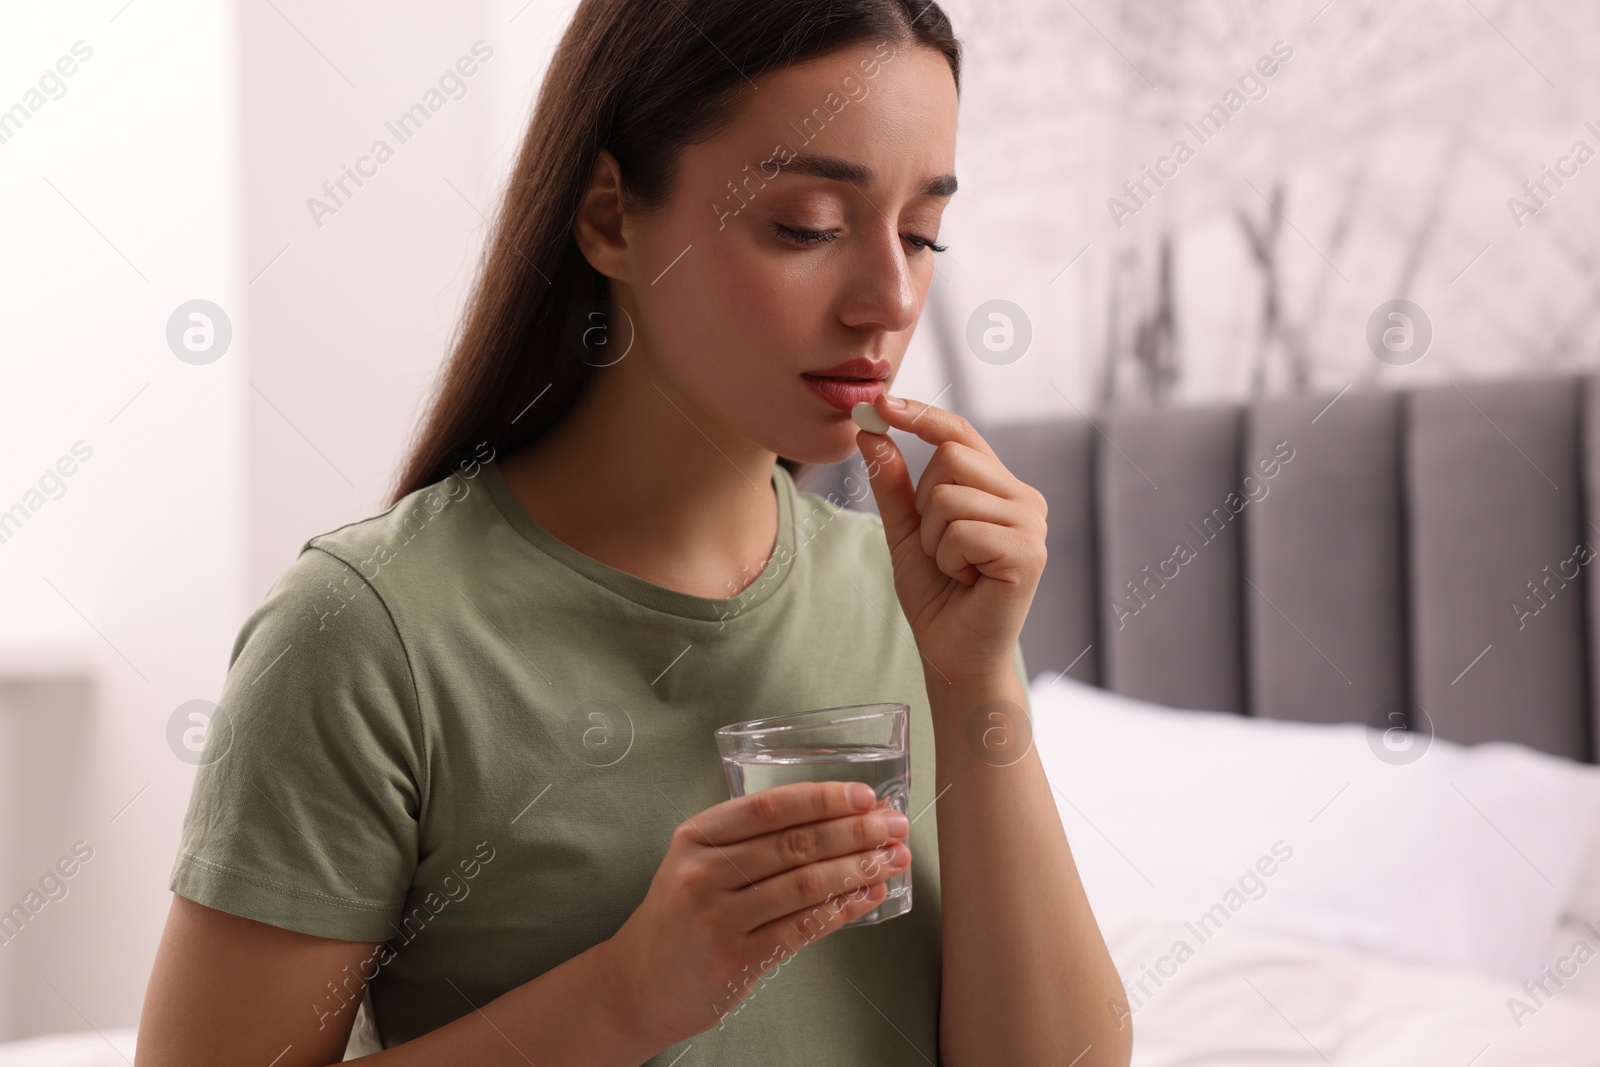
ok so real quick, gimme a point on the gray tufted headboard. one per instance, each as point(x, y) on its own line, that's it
point(1328, 559)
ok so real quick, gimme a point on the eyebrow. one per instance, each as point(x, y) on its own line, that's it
point(843, 170)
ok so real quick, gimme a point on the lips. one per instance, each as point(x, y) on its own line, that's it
point(859, 367)
point(844, 385)
point(844, 393)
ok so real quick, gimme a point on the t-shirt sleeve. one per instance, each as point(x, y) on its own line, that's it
point(304, 812)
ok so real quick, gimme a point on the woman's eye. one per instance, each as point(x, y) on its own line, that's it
point(803, 237)
point(817, 237)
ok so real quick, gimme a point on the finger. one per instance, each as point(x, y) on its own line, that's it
point(815, 883)
point(933, 424)
point(775, 808)
point(972, 548)
point(783, 850)
point(795, 931)
point(963, 465)
point(891, 485)
point(947, 502)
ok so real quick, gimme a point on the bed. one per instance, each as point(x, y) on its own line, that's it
point(1280, 893)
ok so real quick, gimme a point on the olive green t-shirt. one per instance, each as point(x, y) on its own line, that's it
point(447, 731)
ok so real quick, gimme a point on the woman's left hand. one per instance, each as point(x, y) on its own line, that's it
point(967, 543)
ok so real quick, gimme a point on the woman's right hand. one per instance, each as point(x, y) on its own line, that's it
point(744, 885)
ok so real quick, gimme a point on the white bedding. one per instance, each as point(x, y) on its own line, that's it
point(1398, 909)
point(1268, 1000)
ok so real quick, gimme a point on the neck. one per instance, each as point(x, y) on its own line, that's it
point(638, 477)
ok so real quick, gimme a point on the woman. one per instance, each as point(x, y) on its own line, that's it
point(463, 782)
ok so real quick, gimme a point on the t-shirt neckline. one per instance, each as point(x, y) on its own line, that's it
point(647, 593)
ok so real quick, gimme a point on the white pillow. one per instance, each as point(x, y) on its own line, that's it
point(1576, 946)
point(1467, 857)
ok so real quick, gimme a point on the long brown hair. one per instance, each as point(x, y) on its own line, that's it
point(642, 80)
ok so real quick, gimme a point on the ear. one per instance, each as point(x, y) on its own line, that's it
point(598, 226)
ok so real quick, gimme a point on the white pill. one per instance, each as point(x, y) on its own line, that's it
point(868, 419)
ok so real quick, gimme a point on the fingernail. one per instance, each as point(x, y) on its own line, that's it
point(861, 796)
point(896, 824)
point(900, 857)
point(894, 402)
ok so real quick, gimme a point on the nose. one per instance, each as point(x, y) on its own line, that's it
point(884, 291)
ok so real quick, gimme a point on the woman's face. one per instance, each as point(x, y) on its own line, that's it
point(793, 242)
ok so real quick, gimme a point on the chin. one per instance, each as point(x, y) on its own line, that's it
point(823, 448)
point(818, 434)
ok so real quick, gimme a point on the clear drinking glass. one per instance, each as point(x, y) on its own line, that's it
point(868, 743)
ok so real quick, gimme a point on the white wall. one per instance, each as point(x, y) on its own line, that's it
point(190, 141)
point(118, 202)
